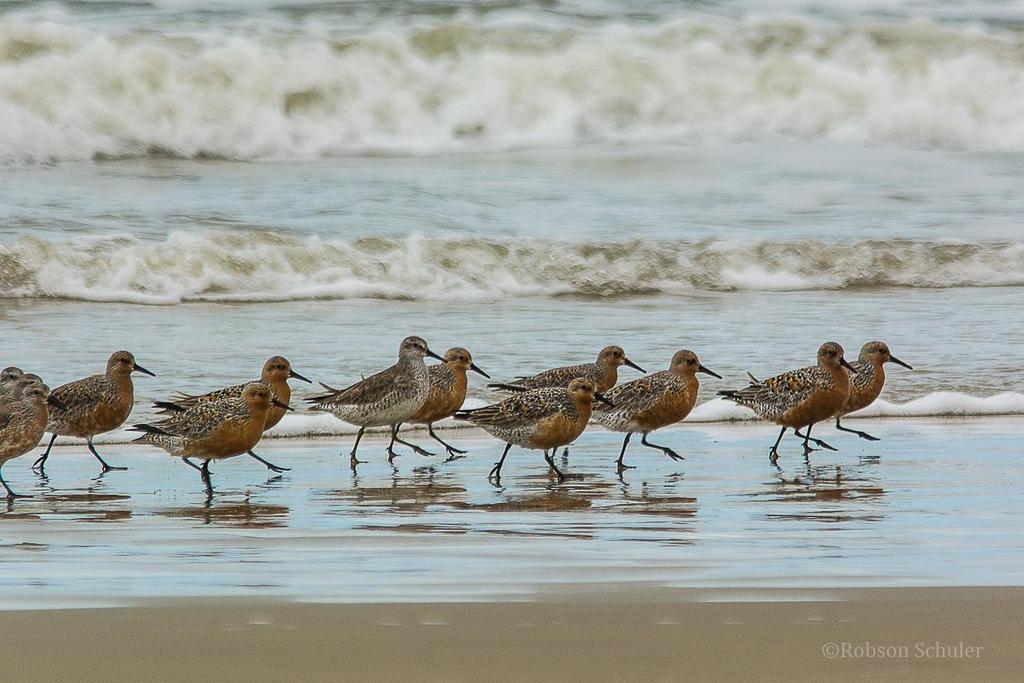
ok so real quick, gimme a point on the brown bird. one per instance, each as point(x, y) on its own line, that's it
point(94, 405)
point(604, 373)
point(23, 416)
point(448, 383)
point(389, 397)
point(653, 401)
point(213, 430)
point(866, 384)
point(276, 372)
point(799, 398)
point(540, 419)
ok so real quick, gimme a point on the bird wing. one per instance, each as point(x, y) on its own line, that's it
point(558, 377)
point(87, 391)
point(635, 396)
point(370, 390)
point(782, 391)
point(530, 405)
point(189, 400)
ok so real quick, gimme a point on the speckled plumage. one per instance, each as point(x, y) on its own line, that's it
point(541, 419)
point(799, 398)
point(23, 415)
point(94, 405)
point(213, 430)
point(385, 398)
point(604, 373)
point(276, 372)
point(389, 397)
point(652, 402)
point(867, 383)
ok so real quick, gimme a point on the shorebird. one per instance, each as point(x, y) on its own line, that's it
point(214, 430)
point(8, 376)
point(799, 398)
point(389, 397)
point(276, 372)
point(540, 419)
point(604, 373)
point(654, 401)
point(94, 405)
point(866, 384)
point(447, 393)
point(23, 416)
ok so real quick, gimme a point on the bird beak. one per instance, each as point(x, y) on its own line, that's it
point(701, 368)
point(295, 375)
point(474, 368)
point(600, 397)
point(897, 361)
point(842, 361)
point(434, 355)
point(633, 365)
point(56, 402)
point(143, 370)
point(275, 402)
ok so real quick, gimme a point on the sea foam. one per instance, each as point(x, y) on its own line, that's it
point(248, 266)
point(76, 91)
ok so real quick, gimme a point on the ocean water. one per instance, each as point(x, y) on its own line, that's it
point(207, 184)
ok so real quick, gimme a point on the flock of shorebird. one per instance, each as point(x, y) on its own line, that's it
point(545, 412)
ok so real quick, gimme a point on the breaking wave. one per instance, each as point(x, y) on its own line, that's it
point(268, 266)
point(69, 91)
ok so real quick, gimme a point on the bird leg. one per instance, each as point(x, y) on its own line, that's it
point(355, 447)
point(204, 472)
point(270, 466)
point(551, 463)
point(106, 467)
point(773, 452)
point(664, 449)
point(10, 494)
point(495, 473)
point(191, 464)
point(863, 435)
point(807, 437)
point(618, 463)
point(40, 464)
point(453, 452)
point(394, 437)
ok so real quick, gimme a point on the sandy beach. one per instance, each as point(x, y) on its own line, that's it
point(594, 633)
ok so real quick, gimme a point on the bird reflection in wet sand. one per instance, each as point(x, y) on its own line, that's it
point(244, 513)
point(825, 494)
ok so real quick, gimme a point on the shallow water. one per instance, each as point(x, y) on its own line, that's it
point(929, 505)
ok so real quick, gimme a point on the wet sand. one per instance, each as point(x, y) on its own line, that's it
point(716, 567)
point(626, 633)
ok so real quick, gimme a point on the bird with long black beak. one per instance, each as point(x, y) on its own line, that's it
point(866, 384)
point(214, 430)
point(800, 398)
point(93, 405)
point(653, 401)
point(603, 372)
point(276, 373)
point(387, 398)
point(539, 419)
point(448, 384)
